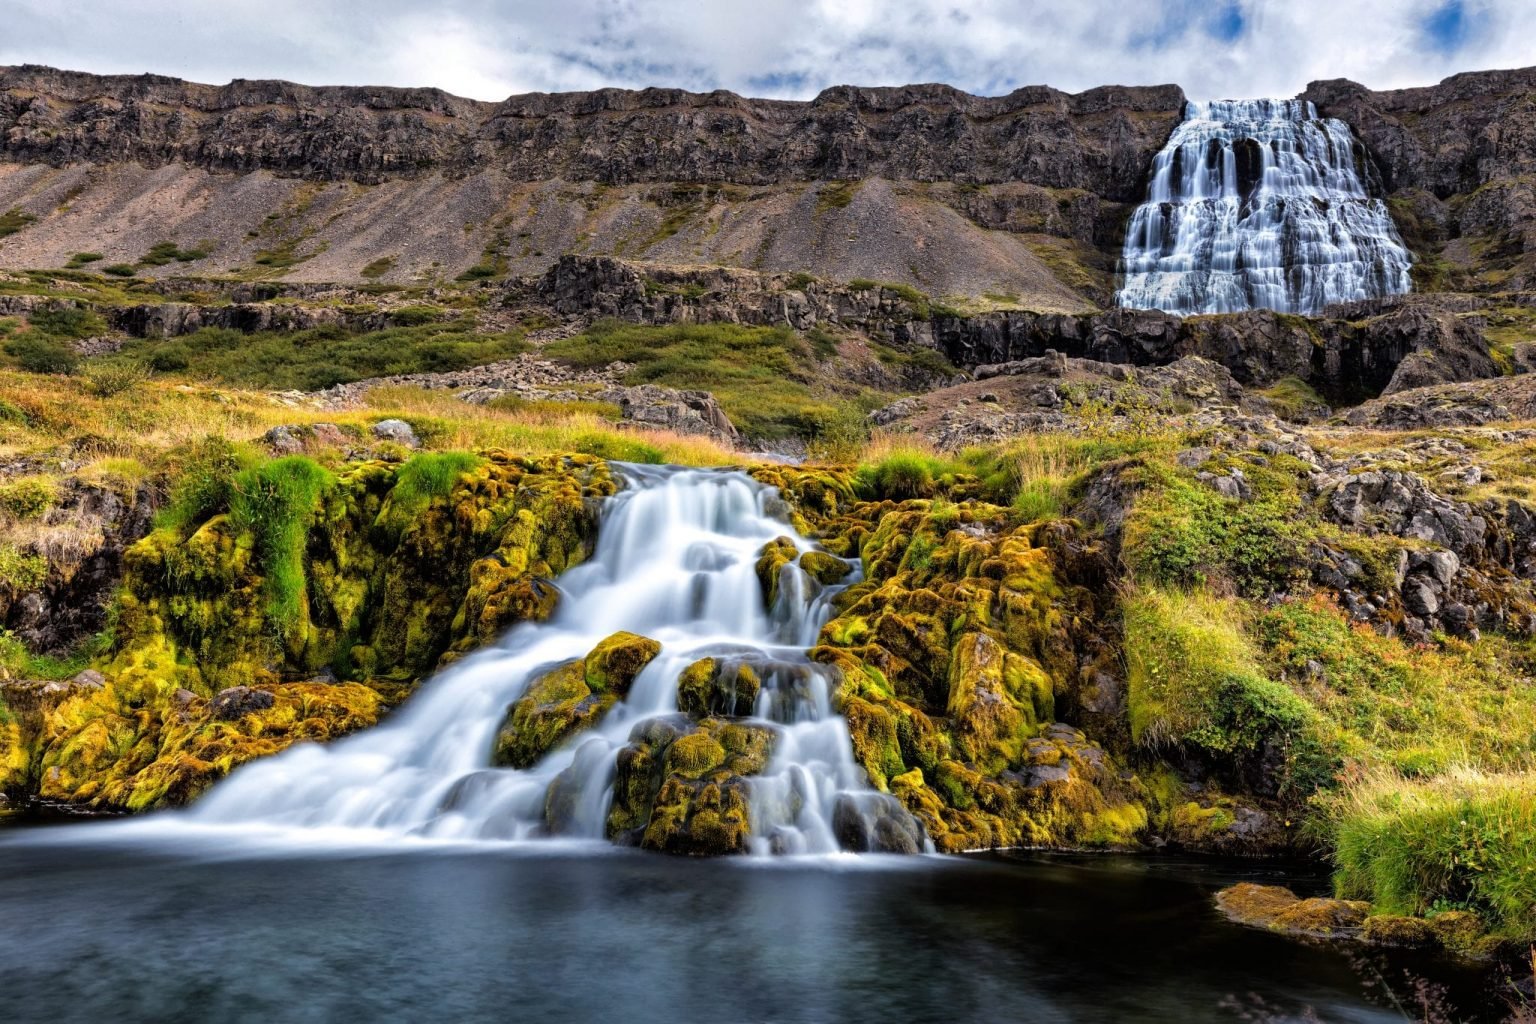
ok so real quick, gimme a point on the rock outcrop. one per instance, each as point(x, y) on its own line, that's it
point(1457, 159)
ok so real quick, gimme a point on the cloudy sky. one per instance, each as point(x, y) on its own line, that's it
point(490, 49)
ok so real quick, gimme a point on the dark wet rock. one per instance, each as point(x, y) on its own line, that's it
point(236, 702)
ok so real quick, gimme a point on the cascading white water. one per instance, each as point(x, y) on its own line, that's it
point(1259, 204)
point(675, 561)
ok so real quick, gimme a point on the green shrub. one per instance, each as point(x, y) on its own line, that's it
point(162, 253)
point(1463, 840)
point(276, 503)
point(80, 259)
point(38, 353)
point(113, 377)
point(68, 322)
point(28, 497)
point(1194, 681)
point(120, 269)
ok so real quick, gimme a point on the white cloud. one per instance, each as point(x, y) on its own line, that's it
point(492, 48)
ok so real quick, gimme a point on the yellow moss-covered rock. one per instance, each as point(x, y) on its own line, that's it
point(616, 660)
point(137, 753)
point(680, 786)
point(718, 686)
point(393, 585)
point(770, 563)
point(555, 706)
point(824, 568)
point(1280, 909)
point(953, 657)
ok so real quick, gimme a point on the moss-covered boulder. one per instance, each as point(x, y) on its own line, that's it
point(615, 662)
point(1279, 909)
point(953, 656)
point(680, 786)
point(776, 554)
point(824, 568)
point(114, 747)
point(718, 686)
point(570, 698)
point(386, 570)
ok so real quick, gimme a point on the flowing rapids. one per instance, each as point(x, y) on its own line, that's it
point(674, 561)
point(1260, 204)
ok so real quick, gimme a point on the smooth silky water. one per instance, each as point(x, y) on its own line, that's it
point(393, 876)
point(1260, 204)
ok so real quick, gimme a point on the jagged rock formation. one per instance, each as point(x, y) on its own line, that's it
point(1457, 159)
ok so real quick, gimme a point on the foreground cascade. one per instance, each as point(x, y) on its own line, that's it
point(1260, 204)
point(664, 705)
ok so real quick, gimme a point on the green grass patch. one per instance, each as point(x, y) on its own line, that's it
point(205, 481)
point(81, 259)
point(1183, 533)
point(276, 503)
point(1465, 840)
point(763, 377)
point(1195, 681)
point(836, 195)
point(162, 253)
point(320, 357)
point(1414, 708)
point(378, 268)
point(426, 476)
point(1293, 398)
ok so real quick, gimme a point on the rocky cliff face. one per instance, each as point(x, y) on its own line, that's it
point(1458, 160)
point(1100, 140)
point(956, 194)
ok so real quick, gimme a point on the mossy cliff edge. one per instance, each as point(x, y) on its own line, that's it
point(304, 605)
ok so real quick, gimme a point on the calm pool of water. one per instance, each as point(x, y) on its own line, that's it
point(194, 931)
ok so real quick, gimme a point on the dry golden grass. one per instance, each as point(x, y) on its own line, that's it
point(126, 435)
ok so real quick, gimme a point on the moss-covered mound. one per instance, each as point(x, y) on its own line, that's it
point(969, 628)
point(372, 576)
point(682, 784)
point(570, 698)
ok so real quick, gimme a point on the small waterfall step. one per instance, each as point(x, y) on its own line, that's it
point(752, 758)
point(1260, 204)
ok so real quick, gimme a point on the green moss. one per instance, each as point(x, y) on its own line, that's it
point(276, 502)
point(28, 497)
point(20, 569)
